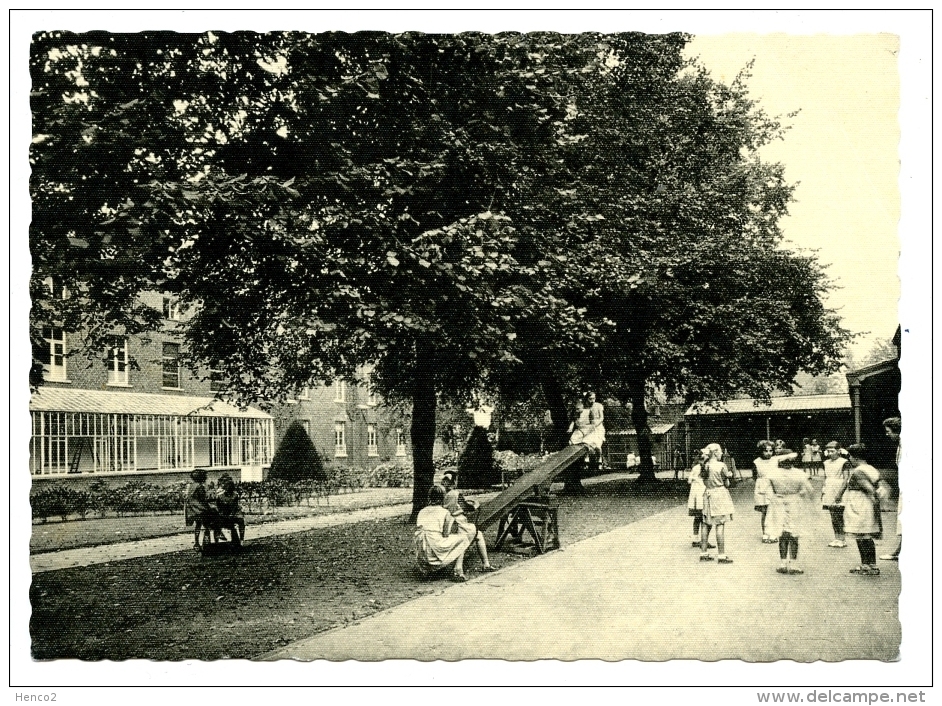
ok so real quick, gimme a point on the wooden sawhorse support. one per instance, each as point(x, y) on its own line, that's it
point(539, 519)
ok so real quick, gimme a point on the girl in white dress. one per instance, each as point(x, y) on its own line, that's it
point(438, 541)
point(717, 504)
point(835, 480)
point(792, 491)
point(862, 510)
point(695, 497)
point(763, 494)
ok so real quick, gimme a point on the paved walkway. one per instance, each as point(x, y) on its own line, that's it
point(640, 592)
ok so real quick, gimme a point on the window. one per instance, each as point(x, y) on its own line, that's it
point(118, 364)
point(217, 381)
point(171, 365)
point(171, 309)
point(340, 391)
point(305, 393)
point(372, 447)
point(400, 442)
point(55, 369)
point(50, 284)
point(340, 439)
point(371, 397)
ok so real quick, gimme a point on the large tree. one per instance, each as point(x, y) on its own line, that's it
point(457, 211)
point(686, 276)
point(318, 201)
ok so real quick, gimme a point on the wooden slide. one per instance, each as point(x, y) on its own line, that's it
point(498, 506)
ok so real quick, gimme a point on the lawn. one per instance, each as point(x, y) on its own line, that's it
point(279, 589)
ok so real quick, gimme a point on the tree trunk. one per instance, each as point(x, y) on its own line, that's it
point(639, 417)
point(559, 413)
point(423, 429)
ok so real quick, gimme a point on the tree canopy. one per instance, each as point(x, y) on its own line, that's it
point(515, 212)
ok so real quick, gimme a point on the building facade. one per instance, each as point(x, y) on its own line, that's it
point(348, 425)
point(135, 411)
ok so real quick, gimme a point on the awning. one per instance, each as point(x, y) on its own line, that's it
point(58, 399)
point(806, 403)
point(656, 430)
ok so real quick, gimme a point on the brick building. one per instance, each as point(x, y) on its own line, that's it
point(348, 425)
point(136, 411)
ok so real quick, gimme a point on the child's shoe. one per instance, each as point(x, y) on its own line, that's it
point(706, 557)
point(723, 560)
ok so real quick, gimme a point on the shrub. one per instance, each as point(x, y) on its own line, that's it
point(476, 467)
point(296, 458)
point(59, 500)
point(390, 475)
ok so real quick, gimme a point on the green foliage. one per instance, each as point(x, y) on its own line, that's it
point(59, 500)
point(476, 468)
point(526, 213)
point(390, 475)
point(134, 497)
point(296, 459)
point(512, 466)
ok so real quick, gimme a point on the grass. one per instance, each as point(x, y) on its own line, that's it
point(279, 589)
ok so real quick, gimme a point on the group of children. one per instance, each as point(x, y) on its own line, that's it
point(851, 494)
point(213, 512)
point(444, 531)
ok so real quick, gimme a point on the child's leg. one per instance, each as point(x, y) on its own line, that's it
point(793, 547)
point(721, 540)
point(764, 509)
point(696, 525)
point(481, 545)
point(704, 536)
point(196, 534)
point(837, 522)
point(868, 551)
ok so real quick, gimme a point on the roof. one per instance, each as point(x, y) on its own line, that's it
point(656, 429)
point(794, 403)
point(854, 377)
point(59, 399)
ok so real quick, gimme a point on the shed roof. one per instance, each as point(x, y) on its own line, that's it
point(795, 403)
point(58, 399)
point(855, 377)
point(656, 430)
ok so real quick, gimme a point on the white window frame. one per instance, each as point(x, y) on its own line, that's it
point(219, 384)
point(305, 393)
point(163, 367)
point(118, 368)
point(400, 442)
point(171, 309)
point(372, 440)
point(340, 439)
point(340, 391)
point(58, 350)
point(371, 396)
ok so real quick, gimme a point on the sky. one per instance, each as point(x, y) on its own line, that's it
point(842, 151)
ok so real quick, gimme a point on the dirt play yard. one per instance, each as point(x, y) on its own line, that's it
point(279, 589)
